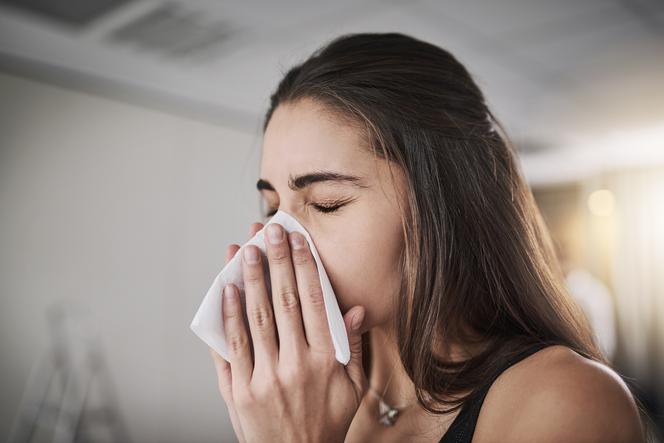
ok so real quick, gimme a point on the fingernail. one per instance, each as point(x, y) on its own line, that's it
point(357, 321)
point(275, 234)
point(250, 254)
point(296, 240)
point(229, 292)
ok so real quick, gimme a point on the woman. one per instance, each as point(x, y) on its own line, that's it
point(383, 147)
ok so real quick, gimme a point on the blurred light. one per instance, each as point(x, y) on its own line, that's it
point(583, 156)
point(601, 203)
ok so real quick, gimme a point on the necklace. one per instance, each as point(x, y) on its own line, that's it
point(387, 414)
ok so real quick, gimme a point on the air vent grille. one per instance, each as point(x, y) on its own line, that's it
point(174, 31)
point(72, 13)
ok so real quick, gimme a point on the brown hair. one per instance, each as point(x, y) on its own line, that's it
point(478, 266)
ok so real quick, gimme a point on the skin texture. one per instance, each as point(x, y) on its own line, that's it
point(297, 391)
point(557, 395)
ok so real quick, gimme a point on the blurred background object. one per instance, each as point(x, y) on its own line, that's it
point(68, 395)
point(129, 148)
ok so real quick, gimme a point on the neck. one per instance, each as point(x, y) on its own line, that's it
point(386, 367)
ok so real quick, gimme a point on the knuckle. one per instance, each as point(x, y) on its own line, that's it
point(237, 343)
point(314, 295)
point(267, 388)
point(243, 399)
point(301, 257)
point(291, 377)
point(253, 277)
point(262, 316)
point(270, 378)
point(280, 256)
point(288, 298)
point(324, 360)
point(231, 314)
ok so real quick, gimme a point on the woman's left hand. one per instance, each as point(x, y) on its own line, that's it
point(293, 389)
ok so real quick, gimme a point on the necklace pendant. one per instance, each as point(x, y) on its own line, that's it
point(388, 414)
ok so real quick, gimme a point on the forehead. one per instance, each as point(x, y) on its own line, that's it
point(302, 137)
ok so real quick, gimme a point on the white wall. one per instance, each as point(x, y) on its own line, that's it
point(126, 211)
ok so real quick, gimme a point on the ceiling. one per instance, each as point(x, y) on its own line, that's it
point(553, 71)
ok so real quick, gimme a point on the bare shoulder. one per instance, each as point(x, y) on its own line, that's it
point(558, 395)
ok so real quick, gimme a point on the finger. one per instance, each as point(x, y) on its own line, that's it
point(254, 228)
point(259, 309)
point(236, 336)
point(231, 250)
point(224, 376)
point(353, 320)
point(285, 298)
point(314, 316)
point(225, 380)
point(221, 365)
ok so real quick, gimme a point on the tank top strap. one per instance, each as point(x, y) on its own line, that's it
point(462, 428)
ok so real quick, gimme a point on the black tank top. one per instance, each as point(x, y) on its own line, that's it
point(462, 428)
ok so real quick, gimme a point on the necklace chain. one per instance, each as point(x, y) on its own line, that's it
point(387, 414)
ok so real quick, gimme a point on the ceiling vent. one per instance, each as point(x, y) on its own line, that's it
point(71, 13)
point(172, 30)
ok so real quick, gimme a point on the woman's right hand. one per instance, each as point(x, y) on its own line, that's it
point(222, 367)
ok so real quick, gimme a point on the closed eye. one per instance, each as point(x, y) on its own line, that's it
point(326, 209)
point(323, 208)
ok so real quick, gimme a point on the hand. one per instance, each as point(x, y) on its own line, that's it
point(223, 368)
point(293, 389)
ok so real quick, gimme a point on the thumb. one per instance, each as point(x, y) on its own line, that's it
point(353, 320)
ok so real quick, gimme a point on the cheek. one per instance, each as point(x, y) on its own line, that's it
point(363, 271)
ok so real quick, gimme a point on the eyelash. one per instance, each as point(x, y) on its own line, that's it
point(325, 209)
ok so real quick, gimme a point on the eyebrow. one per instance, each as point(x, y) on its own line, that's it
point(300, 182)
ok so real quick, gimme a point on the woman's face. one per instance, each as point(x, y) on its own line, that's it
point(360, 242)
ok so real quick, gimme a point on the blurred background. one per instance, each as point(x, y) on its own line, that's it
point(129, 149)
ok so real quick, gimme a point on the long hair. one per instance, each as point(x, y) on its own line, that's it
point(478, 267)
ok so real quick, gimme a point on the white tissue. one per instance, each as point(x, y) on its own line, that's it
point(208, 322)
